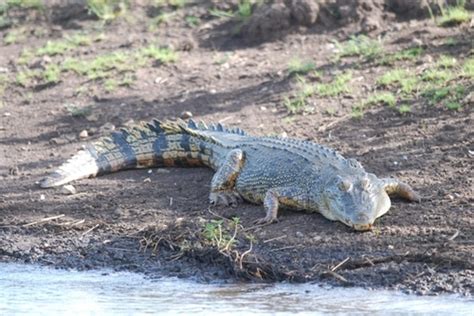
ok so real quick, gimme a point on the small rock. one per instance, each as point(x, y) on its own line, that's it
point(263, 108)
point(147, 180)
point(68, 189)
point(186, 115)
point(83, 134)
point(7, 114)
point(284, 134)
point(299, 234)
point(149, 171)
point(42, 197)
point(106, 128)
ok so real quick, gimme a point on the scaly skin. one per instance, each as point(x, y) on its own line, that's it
point(275, 172)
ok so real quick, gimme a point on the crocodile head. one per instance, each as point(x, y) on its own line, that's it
point(356, 200)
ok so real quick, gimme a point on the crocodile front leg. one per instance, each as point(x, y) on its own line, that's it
point(292, 198)
point(396, 187)
point(223, 181)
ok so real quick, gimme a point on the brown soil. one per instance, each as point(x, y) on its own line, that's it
point(153, 221)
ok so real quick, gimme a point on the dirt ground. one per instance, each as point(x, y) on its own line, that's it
point(154, 221)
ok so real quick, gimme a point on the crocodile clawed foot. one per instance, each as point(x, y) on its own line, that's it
point(266, 221)
point(225, 198)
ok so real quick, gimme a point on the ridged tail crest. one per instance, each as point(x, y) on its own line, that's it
point(157, 143)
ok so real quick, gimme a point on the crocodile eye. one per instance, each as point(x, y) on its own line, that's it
point(344, 185)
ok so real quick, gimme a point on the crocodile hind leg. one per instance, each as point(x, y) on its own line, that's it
point(223, 182)
point(396, 187)
point(289, 197)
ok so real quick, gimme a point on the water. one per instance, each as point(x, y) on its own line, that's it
point(26, 289)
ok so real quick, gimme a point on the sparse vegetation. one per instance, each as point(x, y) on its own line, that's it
point(218, 234)
point(107, 10)
point(339, 85)
point(297, 66)
point(362, 46)
point(404, 109)
point(454, 15)
point(406, 54)
point(298, 102)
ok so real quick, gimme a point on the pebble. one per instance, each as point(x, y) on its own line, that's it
point(147, 180)
point(186, 115)
point(83, 134)
point(68, 189)
point(299, 234)
point(42, 197)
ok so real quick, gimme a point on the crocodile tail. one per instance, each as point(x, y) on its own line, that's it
point(152, 144)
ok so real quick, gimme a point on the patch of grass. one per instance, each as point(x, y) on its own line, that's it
point(52, 74)
point(176, 4)
point(449, 94)
point(14, 37)
point(298, 102)
point(244, 9)
point(25, 4)
point(107, 10)
point(160, 54)
point(336, 87)
point(404, 108)
point(437, 75)
point(362, 46)
point(385, 98)
point(26, 57)
point(296, 66)
point(446, 62)
point(23, 78)
point(453, 105)
point(82, 40)
point(192, 21)
point(399, 77)
point(53, 48)
point(467, 69)
point(454, 15)
point(406, 54)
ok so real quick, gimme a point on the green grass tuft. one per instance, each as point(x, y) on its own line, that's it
point(454, 16)
point(336, 87)
point(107, 10)
point(404, 108)
point(360, 46)
point(296, 66)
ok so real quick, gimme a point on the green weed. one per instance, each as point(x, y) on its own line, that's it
point(360, 46)
point(244, 9)
point(218, 234)
point(26, 57)
point(296, 66)
point(14, 37)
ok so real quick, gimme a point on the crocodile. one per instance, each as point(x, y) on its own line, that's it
point(274, 171)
